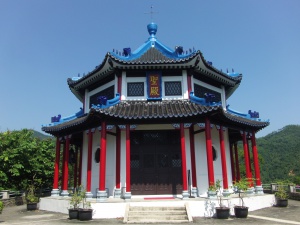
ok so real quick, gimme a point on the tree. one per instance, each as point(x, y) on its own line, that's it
point(25, 160)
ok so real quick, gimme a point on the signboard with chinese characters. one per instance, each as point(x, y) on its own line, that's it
point(154, 85)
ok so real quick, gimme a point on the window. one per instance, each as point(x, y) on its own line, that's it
point(173, 88)
point(200, 91)
point(108, 92)
point(135, 89)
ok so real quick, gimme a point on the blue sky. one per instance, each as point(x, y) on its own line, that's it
point(42, 43)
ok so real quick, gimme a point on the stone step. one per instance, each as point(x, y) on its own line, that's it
point(156, 214)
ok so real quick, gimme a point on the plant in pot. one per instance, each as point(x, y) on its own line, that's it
point(86, 212)
point(1, 206)
point(281, 194)
point(31, 198)
point(212, 191)
point(241, 211)
point(75, 200)
point(222, 212)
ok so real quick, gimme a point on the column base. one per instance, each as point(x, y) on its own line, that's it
point(185, 195)
point(226, 193)
point(55, 192)
point(194, 192)
point(64, 193)
point(212, 194)
point(250, 191)
point(117, 193)
point(259, 190)
point(127, 195)
point(89, 195)
point(101, 196)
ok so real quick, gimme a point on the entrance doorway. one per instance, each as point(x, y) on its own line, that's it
point(155, 162)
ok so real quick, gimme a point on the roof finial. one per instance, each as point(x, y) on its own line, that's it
point(151, 12)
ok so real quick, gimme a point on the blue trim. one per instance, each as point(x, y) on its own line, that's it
point(108, 103)
point(59, 120)
point(202, 101)
point(245, 115)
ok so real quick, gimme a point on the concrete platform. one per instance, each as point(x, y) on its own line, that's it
point(198, 207)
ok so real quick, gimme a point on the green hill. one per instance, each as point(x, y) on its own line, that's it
point(280, 152)
point(40, 135)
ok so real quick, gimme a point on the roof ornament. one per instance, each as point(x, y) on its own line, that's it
point(152, 27)
point(151, 12)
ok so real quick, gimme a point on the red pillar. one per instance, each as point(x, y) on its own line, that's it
point(256, 162)
point(209, 155)
point(246, 157)
point(118, 158)
point(237, 163)
point(223, 158)
point(56, 164)
point(102, 167)
point(76, 167)
point(183, 158)
point(250, 169)
point(66, 166)
point(232, 163)
point(89, 162)
point(128, 187)
point(80, 165)
point(193, 157)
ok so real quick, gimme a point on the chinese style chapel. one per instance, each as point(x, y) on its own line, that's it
point(154, 121)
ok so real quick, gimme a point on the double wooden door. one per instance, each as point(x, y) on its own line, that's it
point(155, 162)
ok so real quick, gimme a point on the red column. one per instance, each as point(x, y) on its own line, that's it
point(223, 158)
point(209, 155)
point(80, 165)
point(255, 160)
point(183, 158)
point(232, 164)
point(89, 162)
point(120, 84)
point(56, 164)
point(102, 167)
point(118, 158)
point(246, 157)
point(249, 158)
point(193, 157)
point(128, 187)
point(66, 165)
point(76, 167)
point(237, 163)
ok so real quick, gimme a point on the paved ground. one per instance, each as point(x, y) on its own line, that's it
point(273, 215)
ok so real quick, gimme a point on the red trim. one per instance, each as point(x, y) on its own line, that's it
point(209, 155)
point(237, 164)
point(223, 158)
point(120, 85)
point(193, 157)
point(246, 156)
point(89, 162)
point(102, 171)
point(56, 164)
point(183, 158)
point(255, 160)
point(232, 163)
point(128, 186)
point(118, 158)
point(66, 164)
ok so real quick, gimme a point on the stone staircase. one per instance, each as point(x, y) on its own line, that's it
point(156, 214)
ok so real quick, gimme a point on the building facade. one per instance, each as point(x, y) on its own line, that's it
point(154, 121)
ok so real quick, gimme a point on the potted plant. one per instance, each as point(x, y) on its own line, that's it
point(75, 200)
point(281, 194)
point(86, 212)
point(222, 212)
point(212, 191)
point(31, 198)
point(241, 211)
point(1, 206)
